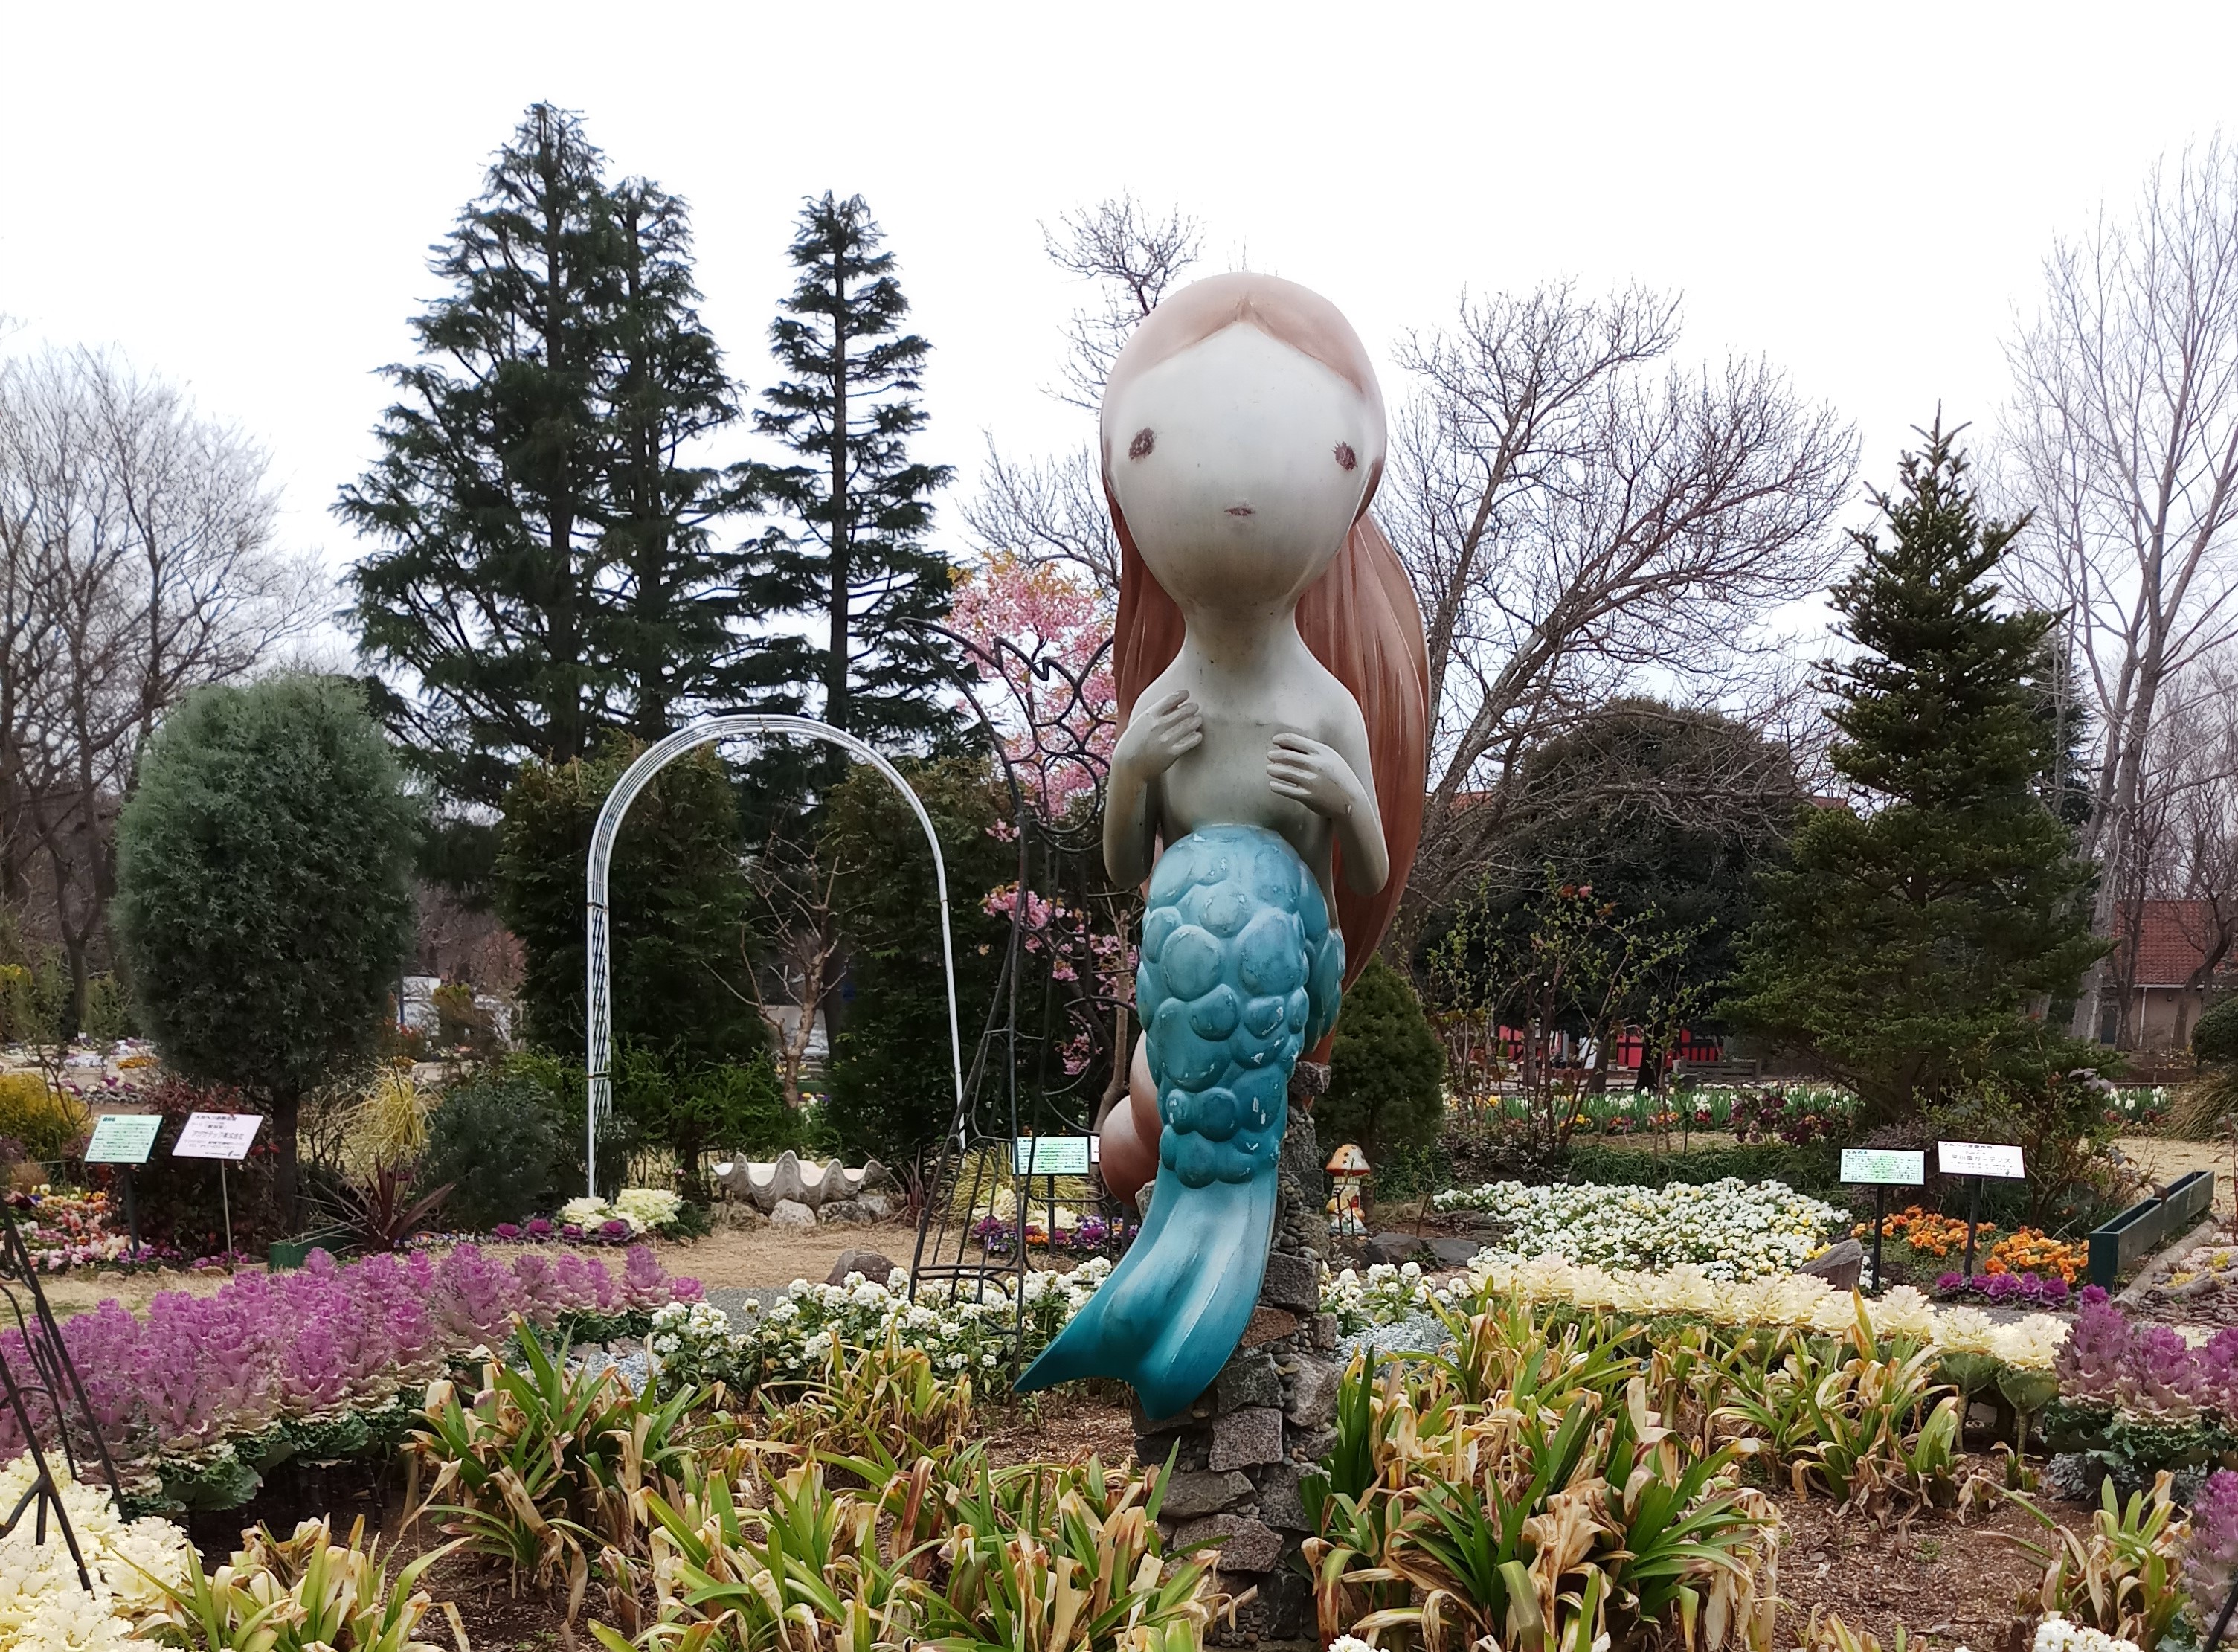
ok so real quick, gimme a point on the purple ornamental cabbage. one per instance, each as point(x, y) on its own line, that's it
point(2212, 1555)
point(2092, 1364)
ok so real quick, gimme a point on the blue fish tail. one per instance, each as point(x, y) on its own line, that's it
point(1239, 973)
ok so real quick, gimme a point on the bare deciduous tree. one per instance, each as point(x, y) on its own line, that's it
point(2185, 843)
point(1052, 510)
point(2123, 438)
point(138, 561)
point(1582, 519)
point(1133, 258)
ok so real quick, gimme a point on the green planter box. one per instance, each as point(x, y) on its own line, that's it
point(293, 1253)
point(2121, 1243)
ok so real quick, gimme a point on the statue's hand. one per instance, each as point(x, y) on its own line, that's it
point(1156, 738)
point(1306, 771)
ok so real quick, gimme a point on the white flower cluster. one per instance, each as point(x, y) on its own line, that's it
point(647, 1210)
point(1731, 1229)
point(960, 1331)
point(2055, 1633)
point(42, 1608)
point(1387, 1296)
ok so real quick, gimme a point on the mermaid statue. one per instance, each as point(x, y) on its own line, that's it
point(1267, 781)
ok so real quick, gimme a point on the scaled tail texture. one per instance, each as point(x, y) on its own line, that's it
point(1240, 972)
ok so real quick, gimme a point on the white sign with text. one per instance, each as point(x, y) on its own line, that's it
point(218, 1136)
point(1978, 1158)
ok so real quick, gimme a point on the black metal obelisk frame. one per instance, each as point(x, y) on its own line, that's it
point(40, 1388)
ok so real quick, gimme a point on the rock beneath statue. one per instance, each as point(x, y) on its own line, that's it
point(791, 1213)
point(1839, 1265)
point(871, 1265)
point(1247, 1544)
point(849, 1210)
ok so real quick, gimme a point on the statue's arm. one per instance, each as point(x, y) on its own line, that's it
point(1337, 781)
point(1154, 737)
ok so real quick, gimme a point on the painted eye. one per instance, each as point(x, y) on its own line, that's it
point(1143, 441)
point(1345, 459)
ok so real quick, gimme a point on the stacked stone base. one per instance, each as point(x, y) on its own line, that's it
point(1241, 1452)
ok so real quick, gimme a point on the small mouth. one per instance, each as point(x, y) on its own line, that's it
point(1241, 510)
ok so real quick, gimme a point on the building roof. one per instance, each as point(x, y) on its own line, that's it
point(2172, 939)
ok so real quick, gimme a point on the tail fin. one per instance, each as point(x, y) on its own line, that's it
point(1175, 1306)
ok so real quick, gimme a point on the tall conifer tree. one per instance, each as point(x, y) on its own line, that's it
point(852, 556)
point(544, 570)
point(1905, 944)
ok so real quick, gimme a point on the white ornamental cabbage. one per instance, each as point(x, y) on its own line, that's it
point(43, 1607)
point(1388, 1295)
point(1731, 1229)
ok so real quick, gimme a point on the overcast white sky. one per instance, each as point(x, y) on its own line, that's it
point(242, 197)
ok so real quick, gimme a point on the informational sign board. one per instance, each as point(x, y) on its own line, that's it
point(1884, 1167)
point(218, 1136)
point(1978, 1158)
point(123, 1138)
point(1051, 1155)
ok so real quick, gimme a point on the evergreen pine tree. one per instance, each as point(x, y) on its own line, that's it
point(1387, 1071)
point(852, 557)
point(1905, 944)
point(544, 569)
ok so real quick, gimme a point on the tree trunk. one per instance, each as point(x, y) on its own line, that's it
point(287, 1114)
point(835, 670)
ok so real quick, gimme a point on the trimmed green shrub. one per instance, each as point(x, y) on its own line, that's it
point(264, 891)
point(2215, 1039)
point(1387, 1071)
point(495, 1139)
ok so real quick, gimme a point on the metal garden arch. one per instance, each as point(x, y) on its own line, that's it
point(633, 780)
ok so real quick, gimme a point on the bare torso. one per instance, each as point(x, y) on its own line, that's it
point(1224, 778)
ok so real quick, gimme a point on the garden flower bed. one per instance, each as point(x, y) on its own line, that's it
point(1387, 1296)
point(205, 1392)
point(1731, 1229)
point(696, 1343)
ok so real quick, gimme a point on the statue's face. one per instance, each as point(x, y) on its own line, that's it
point(1240, 465)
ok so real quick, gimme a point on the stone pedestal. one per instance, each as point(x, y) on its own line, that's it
point(1241, 1450)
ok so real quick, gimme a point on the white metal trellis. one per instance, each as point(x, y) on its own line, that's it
point(600, 966)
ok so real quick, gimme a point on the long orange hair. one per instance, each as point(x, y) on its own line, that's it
point(1359, 618)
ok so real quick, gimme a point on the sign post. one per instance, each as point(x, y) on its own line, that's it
point(226, 1138)
point(1882, 1169)
point(1976, 1160)
point(125, 1140)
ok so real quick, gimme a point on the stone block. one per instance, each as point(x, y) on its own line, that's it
point(1839, 1265)
point(1269, 1325)
point(1248, 1379)
point(1282, 1504)
point(1242, 1438)
point(871, 1265)
point(1392, 1248)
point(1453, 1252)
point(1246, 1544)
point(1311, 1401)
point(1313, 1446)
point(1325, 1331)
point(1292, 1282)
point(1286, 1604)
point(1198, 1411)
point(1203, 1492)
point(1186, 1446)
point(791, 1213)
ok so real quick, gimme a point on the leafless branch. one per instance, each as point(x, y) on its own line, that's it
point(1581, 521)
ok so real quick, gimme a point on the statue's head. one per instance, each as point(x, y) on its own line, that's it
point(1244, 435)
